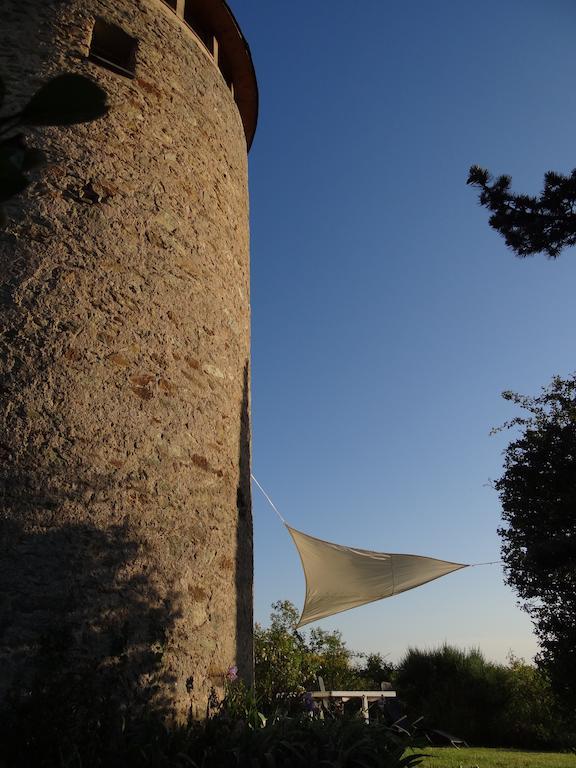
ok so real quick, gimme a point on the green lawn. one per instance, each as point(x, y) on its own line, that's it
point(445, 757)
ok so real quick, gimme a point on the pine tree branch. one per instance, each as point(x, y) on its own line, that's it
point(530, 225)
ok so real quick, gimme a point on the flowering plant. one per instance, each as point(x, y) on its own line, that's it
point(239, 703)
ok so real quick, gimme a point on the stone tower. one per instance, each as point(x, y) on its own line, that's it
point(126, 551)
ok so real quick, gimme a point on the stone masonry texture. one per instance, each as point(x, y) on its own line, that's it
point(126, 534)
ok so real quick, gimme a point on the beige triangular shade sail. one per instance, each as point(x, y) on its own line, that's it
point(339, 578)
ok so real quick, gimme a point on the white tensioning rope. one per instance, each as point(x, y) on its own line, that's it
point(492, 562)
point(268, 499)
point(274, 507)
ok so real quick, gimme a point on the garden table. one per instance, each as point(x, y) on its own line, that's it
point(366, 696)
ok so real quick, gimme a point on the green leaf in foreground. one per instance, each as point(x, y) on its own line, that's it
point(65, 100)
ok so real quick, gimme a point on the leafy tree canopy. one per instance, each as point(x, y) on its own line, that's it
point(538, 495)
point(530, 224)
point(289, 661)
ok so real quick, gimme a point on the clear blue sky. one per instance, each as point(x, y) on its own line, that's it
point(386, 316)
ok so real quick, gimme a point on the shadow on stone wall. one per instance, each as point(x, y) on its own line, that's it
point(82, 625)
point(244, 544)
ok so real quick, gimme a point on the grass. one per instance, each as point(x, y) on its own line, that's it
point(445, 757)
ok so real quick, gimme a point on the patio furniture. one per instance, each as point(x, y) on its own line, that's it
point(366, 697)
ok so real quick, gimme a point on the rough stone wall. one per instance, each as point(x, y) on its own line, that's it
point(126, 551)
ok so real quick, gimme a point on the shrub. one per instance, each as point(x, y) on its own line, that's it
point(455, 690)
point(302, 743)
point(532, 715)
point(480, 701)
point(225, 742)
point(288, 661)
point(283, 662)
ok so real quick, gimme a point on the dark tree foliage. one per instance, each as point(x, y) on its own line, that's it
point(529, 225)
point(483, 702)
point(455, 690)
point(538, 495)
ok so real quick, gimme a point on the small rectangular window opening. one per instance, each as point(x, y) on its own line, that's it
point(197, 23)
point(113, 48)
point(226, 70)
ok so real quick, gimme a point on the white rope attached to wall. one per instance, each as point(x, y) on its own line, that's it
point(268, 499)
